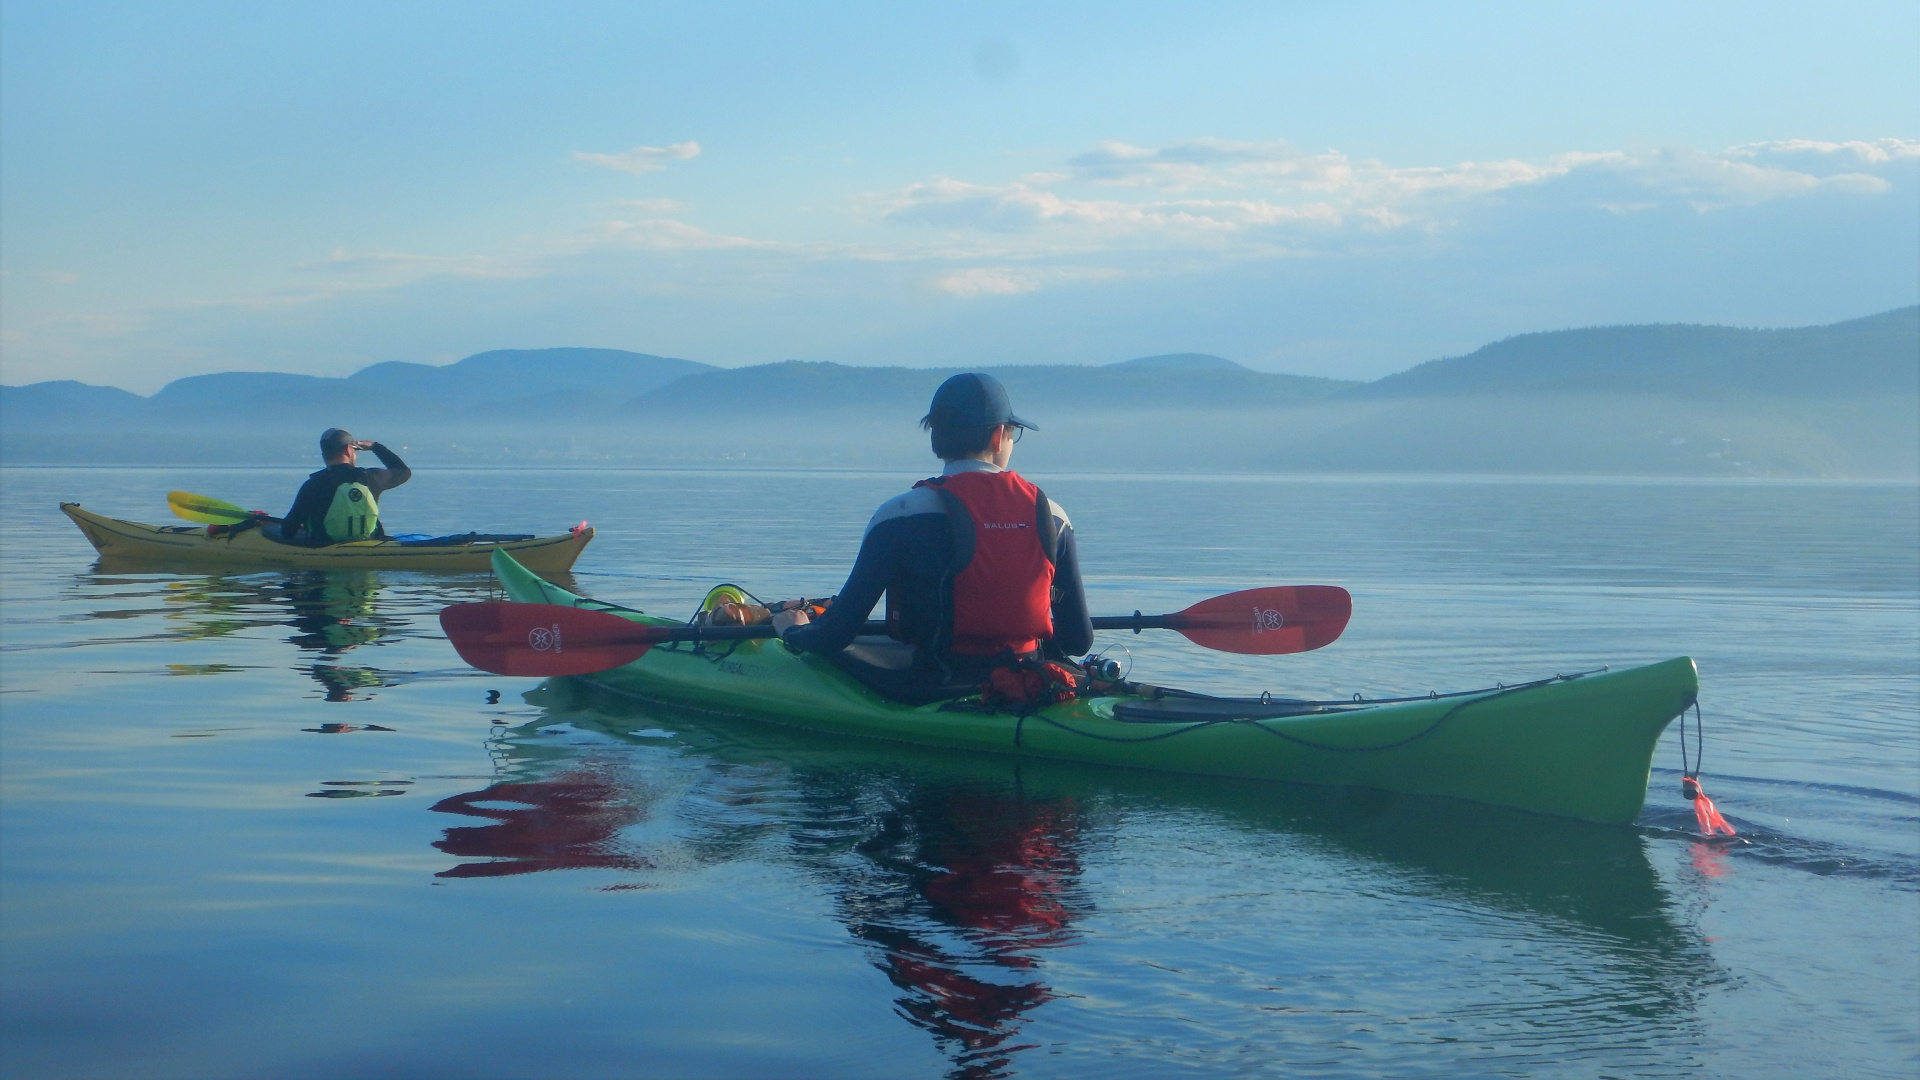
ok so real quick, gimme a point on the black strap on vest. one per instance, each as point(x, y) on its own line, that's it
point(960, 528)
point(1049, 532)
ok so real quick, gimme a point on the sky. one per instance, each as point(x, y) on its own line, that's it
point(1327, 189)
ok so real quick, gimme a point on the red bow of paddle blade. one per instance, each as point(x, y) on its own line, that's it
point(1270, 621)
point(541, 639)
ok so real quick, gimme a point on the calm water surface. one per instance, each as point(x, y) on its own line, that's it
point(267, 825)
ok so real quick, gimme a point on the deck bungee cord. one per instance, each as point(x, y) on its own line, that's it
point(1307, 708)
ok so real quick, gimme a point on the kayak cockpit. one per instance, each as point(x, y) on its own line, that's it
point(1184, 708)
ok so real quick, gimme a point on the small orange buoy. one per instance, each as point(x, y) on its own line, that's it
point(1711, 823)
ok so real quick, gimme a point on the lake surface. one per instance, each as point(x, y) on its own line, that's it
point(267, 824)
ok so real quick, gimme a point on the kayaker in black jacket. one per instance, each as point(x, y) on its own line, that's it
point(329, 496)
point(979, 567)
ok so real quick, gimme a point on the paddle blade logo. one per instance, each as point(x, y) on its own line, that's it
point(544, 639)
point(1265, 619)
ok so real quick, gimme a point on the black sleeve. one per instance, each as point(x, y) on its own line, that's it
point(872, 570)
point(1072, 627)
point(395, 473)
point(305, 509)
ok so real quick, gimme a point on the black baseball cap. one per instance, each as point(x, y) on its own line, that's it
point(333, 440)
point(974, 399)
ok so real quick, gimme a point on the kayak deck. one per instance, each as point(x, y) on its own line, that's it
point(1578, 746)
point(115, 538)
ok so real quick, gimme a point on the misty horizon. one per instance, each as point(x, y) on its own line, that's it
point(1833, 401)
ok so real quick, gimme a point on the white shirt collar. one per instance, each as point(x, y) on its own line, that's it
point(967, 464)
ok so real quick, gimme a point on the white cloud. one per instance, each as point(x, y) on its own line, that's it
point(392, 264)
point(1184, 164)
point(1712, 181)
point(986, 281)
point(1016, 207)
point(665, 234)
point(981, 281)
point(1877, 152)
point(650, 206)
point(1212, 193)
point(641, 159)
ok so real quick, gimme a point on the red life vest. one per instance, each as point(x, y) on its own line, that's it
point(1003, 547)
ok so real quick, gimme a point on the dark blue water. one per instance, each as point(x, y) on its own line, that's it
point(266, 824)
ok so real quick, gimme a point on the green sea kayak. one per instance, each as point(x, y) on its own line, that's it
point(1579, 746)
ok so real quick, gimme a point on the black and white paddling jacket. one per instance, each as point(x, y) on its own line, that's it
point(908, 555)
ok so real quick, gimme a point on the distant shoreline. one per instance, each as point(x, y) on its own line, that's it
point(1070, 474)
point(1837, 401)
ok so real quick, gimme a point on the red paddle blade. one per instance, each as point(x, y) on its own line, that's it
point(1267, 622)
point(543, 639)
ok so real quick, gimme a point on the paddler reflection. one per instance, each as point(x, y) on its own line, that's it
point(959, 890)
point(334, 612)
point(973, 885)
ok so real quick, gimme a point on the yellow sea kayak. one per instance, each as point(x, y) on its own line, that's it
point(251, 547)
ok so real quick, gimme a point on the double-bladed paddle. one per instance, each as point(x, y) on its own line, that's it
point(205, 510)
point(550, 640)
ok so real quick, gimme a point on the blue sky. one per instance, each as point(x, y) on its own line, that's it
point(1336, 189)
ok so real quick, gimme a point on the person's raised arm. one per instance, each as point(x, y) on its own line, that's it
point(395, 473)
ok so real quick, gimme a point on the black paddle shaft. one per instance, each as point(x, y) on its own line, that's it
point(1135, 622)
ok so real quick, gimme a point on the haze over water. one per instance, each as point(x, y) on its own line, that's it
point(268, 824)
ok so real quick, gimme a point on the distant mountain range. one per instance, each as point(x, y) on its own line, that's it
point(482, 384)
point(1824, 400)
point(1879, 354)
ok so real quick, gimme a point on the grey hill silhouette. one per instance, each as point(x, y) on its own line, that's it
point(1879, 354)
point(1839, 400)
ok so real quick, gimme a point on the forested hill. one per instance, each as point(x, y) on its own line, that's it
point(484, 383)
point(1879, 354)
point(1130, 386)
point(1836, 400)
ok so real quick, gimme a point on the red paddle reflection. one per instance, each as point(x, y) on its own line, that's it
point(570, 822)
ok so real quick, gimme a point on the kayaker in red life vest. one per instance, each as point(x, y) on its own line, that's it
point(340, 502)
point(978, 566)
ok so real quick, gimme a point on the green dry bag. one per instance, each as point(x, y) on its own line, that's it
point(354, 515)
